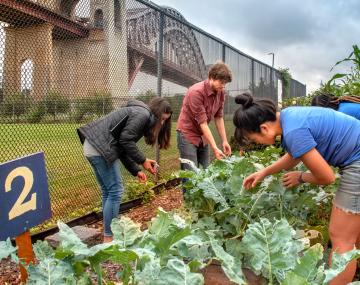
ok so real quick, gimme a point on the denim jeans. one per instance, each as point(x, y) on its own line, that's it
point(347, 196)
point(109, 178)
point(197, 154)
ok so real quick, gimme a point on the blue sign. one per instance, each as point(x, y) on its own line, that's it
point(24, 195)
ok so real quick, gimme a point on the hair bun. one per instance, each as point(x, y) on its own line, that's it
point(244, 99)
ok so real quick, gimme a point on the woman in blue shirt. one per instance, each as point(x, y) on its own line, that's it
point(349, 105)
point(319, 137)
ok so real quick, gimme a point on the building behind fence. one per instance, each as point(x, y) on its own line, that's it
point(65, 63)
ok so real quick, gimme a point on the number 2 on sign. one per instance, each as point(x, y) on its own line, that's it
point(20, 207)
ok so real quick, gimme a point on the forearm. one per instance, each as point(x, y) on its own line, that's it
point(208, 135)
point(286, 162)
point(308, 177)
point(220, 126)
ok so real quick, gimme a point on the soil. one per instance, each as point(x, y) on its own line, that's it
point(168, 200)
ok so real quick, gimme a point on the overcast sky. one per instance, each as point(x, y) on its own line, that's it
point(307, 36)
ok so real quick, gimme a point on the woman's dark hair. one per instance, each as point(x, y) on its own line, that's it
point(251, 114)
point(326, 100)
point(159, 132)
point(331, 101)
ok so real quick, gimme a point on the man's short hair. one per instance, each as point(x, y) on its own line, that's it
point(220, 71)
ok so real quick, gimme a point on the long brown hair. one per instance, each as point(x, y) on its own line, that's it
point(331, 101)
point(159, 133)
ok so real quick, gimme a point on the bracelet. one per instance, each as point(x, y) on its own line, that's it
point(300, 179)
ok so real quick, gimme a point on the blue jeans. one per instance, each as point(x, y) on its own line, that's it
point(109, 178)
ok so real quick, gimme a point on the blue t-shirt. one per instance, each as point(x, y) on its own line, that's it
point(334, 135)
point(351, 109)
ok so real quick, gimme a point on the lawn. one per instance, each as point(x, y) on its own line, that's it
point(72, 185)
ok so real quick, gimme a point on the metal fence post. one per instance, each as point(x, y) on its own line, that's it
point(252, 71)
point(223, 53)
point(272, 91)
point(160, 60)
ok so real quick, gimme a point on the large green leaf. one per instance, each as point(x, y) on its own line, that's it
point(42, 250)
point(193, 247)
point(70, 241)
point(51, 271)
point(307, 270)
point(210, 191)
point(125, 231)
point(294, 279)
point(177, 272)
point(148, 267)
point(7, 249)
point(230, 264)
point(270, 248)
point(339, 262)
point(165, 230)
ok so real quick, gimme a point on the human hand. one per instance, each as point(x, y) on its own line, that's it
point(253, 179)
point(218, 153)
point(150, 165)
point(291, 179)
point(226, 148)
point(141, 176)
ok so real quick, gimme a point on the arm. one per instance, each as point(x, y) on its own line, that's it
point(220, 126)
point(130, 165)
point(196, 104)
point(284, 163)
point(209, 137)
point(320, 171)
point(134, 168)
point(129, 135)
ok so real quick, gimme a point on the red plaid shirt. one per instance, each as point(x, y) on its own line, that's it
point(200, 105)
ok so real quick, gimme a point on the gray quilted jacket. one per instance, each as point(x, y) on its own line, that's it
point(139, 121)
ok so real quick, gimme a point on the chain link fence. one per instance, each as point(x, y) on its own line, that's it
point(66, 63)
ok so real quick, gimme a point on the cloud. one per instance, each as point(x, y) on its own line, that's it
point(307, 36)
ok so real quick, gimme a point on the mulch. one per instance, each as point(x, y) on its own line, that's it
point(168, 200)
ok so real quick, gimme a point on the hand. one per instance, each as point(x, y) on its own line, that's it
point(291, 179)
point(149, 165)
point(253, 179)
point(218, 153)
point(226, 148)
point(141, 176)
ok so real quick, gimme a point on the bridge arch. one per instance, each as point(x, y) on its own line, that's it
point(181, 48)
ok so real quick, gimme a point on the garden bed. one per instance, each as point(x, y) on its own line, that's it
point(168, 200)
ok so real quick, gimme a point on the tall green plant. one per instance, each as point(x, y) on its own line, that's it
point(285, 78)
point(349, 82)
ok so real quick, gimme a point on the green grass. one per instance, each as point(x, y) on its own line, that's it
point(72, 185)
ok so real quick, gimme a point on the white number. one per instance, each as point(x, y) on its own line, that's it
point(20, 207)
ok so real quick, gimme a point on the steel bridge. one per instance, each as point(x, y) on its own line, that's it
point(183, 62)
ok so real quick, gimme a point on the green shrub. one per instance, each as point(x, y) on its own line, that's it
point(35, 113)
point(99, 104)
point(14, 104)
point(134, 190)
point(55, 103)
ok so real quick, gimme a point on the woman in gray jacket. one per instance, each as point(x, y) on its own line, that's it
point(113, 138)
